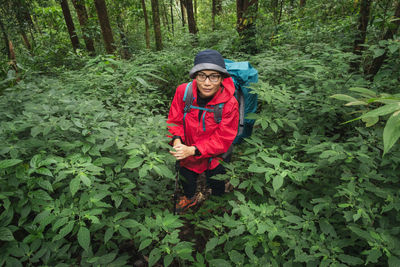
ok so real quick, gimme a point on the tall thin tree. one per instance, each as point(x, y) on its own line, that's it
point(5, 39)
point(102, 15)
point(246, 14)
point(172, 15)
point(83, 18)
point(363, 19)
point(156, 24)
point(70, 24)
point(190, 16)
point(183, 11)
point(146, 25)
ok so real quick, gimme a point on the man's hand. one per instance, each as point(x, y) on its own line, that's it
point(182, 151)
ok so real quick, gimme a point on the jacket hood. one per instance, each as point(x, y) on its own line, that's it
point(226, 91)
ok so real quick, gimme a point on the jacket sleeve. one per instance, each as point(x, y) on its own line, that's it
point(175, 116)
point(220, 141)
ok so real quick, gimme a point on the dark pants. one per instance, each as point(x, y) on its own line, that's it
point(190, 181)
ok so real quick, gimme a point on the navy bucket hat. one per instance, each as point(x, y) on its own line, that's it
point(209, 60)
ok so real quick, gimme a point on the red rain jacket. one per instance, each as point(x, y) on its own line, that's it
point(217, 138)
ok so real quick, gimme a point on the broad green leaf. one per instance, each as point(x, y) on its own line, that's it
point(9, 163)
point(356, 103)
point(108, 235)
point(41, 194)
point(85, 179)
point(256, 168)
point(154, 256)
point(45, 185)
point(64, 231)
point(293, 219)
point(84, 238)
point(166, 172)
point(373, 255)
point(124, 232)
point(133, 163)
point(391, 133)
point(184, 250)
point(60, 222)
point(274, 127)
point(200, 258)
point(168, 260)
point(74, 185)
point(6, 234)
point(36, 130)
point(145, 243)
point(327, 228)
point(277, 182)
point(236, 257)
point(378, 52)
point(393, 47)
point(211, 244)
point(106, 259)
point(393, 261)
point(370, 121)
point(130, 223)
point(344, 97)
point(363, 91)
point(44, 171)
point(381, 111)
point(351, 260)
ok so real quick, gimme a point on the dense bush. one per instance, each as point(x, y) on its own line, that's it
point(86, 177)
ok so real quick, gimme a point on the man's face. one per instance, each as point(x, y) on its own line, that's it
point(208, 82)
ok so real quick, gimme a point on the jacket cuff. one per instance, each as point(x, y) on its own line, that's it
point(197, 151)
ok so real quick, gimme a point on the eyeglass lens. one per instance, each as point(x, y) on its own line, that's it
point(212, 77)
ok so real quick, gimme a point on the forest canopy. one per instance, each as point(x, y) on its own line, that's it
point(85, 173)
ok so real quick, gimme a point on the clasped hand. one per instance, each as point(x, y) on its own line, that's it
point(182, 151)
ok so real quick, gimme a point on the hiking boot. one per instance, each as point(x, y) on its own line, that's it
point(185, 203)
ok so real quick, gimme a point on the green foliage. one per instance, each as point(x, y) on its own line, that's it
point(369, 99)
point(86, 177)
point(81, 160)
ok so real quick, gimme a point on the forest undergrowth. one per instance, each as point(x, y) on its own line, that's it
point(86, 177)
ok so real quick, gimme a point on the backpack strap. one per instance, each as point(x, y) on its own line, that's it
point(240, 98)
point(188, 99)
point(218, 112)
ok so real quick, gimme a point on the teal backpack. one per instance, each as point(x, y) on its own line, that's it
point(243, 74)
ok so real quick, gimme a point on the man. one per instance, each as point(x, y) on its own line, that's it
point(198, 139)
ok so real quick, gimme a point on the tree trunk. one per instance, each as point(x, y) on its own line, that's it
point(392, 29)
point(246, 12)
point(302, 3)
point(362, 32)
point(80, 9)
point(70, 24)
point(190, 16)
point(125, 54)
point(183, 13)
point(157, 24)
point(24, 20)
point(195, 10)
point(164, 15)
point(146, 25)
point(106, 31)
point(172, 16)
point(26, 40)
point(5, 38)
point(216, 10)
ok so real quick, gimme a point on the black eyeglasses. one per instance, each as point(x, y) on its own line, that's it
point(213, 77)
